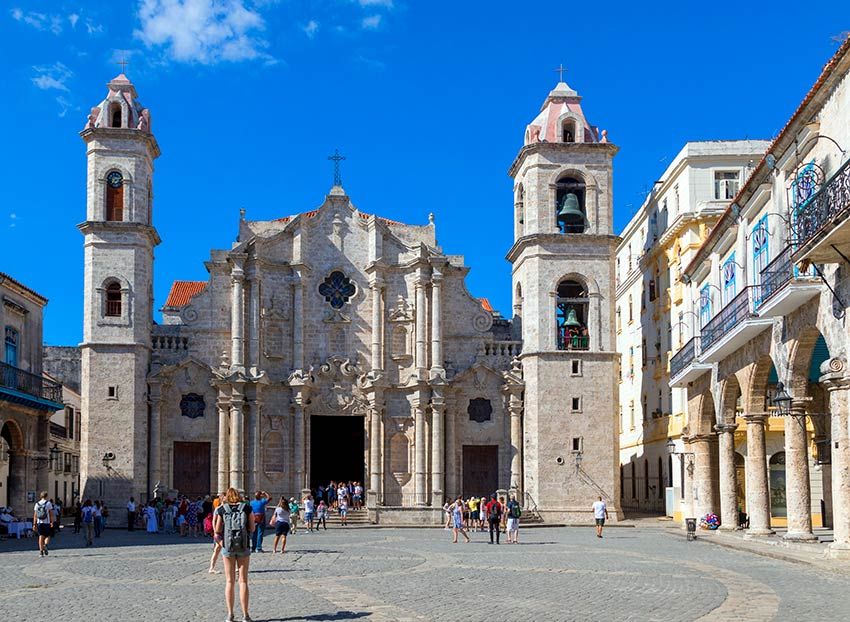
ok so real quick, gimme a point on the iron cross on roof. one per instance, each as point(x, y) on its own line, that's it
point(336, 158)
point(561, 69)
point(123, 62)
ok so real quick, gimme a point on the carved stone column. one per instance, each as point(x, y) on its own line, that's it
point(758, 496)
point(704, 486)
point(450, 462)
point(515, 411)
point(254, 333)
point(377, 325)
point(728, 480)
point(237, 438)
point(437, 324)
point(376, 457)
point(797, 486)
point(237, 313)
point(299, 432)
point(420, 329)
point(253, 483)
point(297, 321)
point(438, 412)
point(419, 481)
point(223, 405)
point(838, 385)
point(155, 453)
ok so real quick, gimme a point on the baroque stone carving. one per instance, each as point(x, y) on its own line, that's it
point(338, 387)
point(482, 322)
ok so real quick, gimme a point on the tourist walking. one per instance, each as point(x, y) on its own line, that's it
point(457, 520)
point(87, 517)
point(78, 516)
point(233, 526)
point(280, 519)
point(494, 517)
point(168, 517)
point(514, 511)
point(294, 511)
point(152, 521)
point(309, 509)
point(482, 513)
point(43, 517)
point(358, 496)
point(447, 510)
point(131, 514)
point(258, 508)
point(321, 515)
point(216, 541)
point(331, 492)
point(104, 516)
point(600, 513)
point(343, 511)
point(98, 517)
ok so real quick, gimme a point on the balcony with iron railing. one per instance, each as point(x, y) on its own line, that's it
point(28, 389)
point(685, 366)
point(733, 326)
point(784, 287)
point(821, 224)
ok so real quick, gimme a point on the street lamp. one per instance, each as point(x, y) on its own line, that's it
point(671, 449)
point(782, 400)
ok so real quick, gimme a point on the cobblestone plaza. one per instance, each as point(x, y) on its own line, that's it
point(417, 574)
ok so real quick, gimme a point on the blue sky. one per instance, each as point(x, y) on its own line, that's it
point(428, 101)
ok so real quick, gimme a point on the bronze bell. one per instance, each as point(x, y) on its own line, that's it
point(570, 215)
point(572, 318)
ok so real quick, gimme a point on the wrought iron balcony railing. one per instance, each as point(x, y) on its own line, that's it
point(818, 212)
point(684, 357)
point(740, 308)
point(32, 384)
point(775, 275)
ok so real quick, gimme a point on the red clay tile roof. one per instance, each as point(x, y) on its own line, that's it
point(182, 291)
point(486, 304)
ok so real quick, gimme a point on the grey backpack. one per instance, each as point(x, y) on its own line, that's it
point(235, 536)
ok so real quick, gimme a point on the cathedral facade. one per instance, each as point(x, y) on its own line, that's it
point(334, 344)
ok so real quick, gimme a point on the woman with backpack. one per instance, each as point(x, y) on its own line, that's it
point(233, 525)
point(87, 518)
point(514, 511)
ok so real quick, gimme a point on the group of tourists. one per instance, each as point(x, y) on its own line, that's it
point(182, 515)
point(341, 496)
point(474, 513)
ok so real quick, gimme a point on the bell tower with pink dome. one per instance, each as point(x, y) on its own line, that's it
point(563, 295)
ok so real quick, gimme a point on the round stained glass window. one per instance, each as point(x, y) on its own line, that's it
point(337, 289)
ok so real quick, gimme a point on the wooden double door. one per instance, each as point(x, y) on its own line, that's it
point(192, 468)
point(480, 470)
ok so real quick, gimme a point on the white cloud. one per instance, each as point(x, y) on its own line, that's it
point(73, 18)
point(64, 104)
point(203, 31)
point(12, 218)
point(387, 4)
point(53, 23)
point(311, 28)
point(93, 28)
point(372, 22)
point(52, 77)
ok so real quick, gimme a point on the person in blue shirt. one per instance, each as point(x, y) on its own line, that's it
point(258, 509)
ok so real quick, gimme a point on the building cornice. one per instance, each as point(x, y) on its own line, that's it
point(98, 226)
point(560, 238)
point(527, 150)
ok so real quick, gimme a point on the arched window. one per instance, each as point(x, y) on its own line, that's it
point(569, 205)
point(568, 131)
point(572, 314)
point(115, 196)
point(11, 346)
point(520, 207)
point(115, 115)
point(113, 299)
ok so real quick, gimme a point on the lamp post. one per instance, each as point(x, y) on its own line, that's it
point(671, 449)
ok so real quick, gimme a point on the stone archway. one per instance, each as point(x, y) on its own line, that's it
point(15, 483)
point(730, 472)
point(702, 442)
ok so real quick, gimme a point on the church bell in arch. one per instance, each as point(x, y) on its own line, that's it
point(570, 215)
point(572, 318)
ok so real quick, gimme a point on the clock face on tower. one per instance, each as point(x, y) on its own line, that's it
point(114, 179)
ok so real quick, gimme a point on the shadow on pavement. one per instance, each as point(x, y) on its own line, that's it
point(322, 617)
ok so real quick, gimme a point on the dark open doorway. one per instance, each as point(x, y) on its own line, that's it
point(337, 449)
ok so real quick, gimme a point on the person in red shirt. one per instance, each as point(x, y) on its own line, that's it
point(494, 517)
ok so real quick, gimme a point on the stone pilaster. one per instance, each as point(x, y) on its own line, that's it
point(237, 313)
point(237, 438)
point(377, 325)
point(299, 431)
point(438, 412)
point(838, 384)
point(297, 321)
point(253, 479)
point(254, 330)
point(223, 406)
point(437, 324)
point(797, 486)
point(376, 456)
point(728, 480)
point(421, 328)
point(758, 496)
point(452, 487)
point(515, 412)
point(155, 451)
point(420, 455)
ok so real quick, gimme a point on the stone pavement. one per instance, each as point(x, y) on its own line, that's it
point(417, 574)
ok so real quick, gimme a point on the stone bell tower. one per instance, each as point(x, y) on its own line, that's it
point(563, 293)
point(119, 244)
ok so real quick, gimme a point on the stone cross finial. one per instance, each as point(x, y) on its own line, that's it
point(337, 158)
point(123, 62)
point(561, 69)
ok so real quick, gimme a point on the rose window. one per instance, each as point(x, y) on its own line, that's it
point(337, 289)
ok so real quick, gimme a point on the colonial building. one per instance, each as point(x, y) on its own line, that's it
point(654, 315)
point(766, 370)
point(27, 398)
point(64, 449)
point(337, 344)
